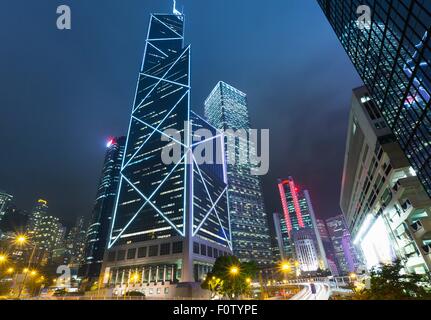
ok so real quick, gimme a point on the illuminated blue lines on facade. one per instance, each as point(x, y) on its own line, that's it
point(157, 200)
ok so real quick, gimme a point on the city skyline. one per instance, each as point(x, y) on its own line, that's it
point(298, 176)
point(86, 153)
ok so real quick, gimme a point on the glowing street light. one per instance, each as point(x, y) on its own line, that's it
point(135, 277)
point(248, 280)
point(21, 239)
point(33, 273)
point(353, 276)
point(10, 270)
point(3, 258)
point(234, 270)
point(285, 267)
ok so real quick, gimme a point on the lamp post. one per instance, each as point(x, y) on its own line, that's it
point(22, 240)
point(234, 270)
point(285, 269)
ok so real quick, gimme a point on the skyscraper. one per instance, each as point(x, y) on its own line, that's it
point(328, 247)
point(345, 253)
point(299, 223)
point(5, 199)
point(391, 53)
point(14, 220)
point(44, 231)
point(98, 232)
point(226, 109)
point(386, 207)
point(75, 242)
point(171, 219)
point(279, 235)
point(40, 210)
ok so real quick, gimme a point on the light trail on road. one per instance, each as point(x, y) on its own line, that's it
point(322, 292)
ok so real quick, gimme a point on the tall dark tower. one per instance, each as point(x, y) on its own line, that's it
point(98, 232)
point(171, 220)
point(227, 108)
point(391, 54)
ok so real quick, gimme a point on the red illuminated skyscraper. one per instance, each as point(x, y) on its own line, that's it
point(297, 222)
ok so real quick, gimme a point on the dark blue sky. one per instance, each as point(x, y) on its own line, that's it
point(62, 93)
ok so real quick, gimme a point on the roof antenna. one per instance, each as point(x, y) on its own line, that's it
point(175, 11)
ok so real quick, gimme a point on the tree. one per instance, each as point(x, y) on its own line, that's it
point(230, 278)
point(389, 283)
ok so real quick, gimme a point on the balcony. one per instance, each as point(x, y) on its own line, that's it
point(421, 229)
point(427, 249)
point(417, 226)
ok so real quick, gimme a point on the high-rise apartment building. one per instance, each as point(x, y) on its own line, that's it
point(391, 51)
point(299, 223)
point(226, 108)
point(40, 210)
point(386, 207)
point(171, 218)
point(98, 232)
point(44, 231)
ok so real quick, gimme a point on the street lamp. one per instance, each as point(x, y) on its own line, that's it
point(3, 258)
point(135, 278)
point(22, 240)
point(285, 267)
point(234, 270)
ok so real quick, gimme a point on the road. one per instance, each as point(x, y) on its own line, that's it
point(322, 292)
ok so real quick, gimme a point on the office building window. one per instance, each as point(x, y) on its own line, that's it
point(203, 250)
point(142, 252)
point(177, 247)
point(131, 254)
point(195, 248)
point(111, 256)
point(121, 255)
point(165, 249)
point(153, 251)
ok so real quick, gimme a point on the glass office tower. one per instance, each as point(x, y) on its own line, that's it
point(226, 109)
point(171, 220)
point(392, 55)
point(98, 232)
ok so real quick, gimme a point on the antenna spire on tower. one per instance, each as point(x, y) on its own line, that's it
point(175, 11)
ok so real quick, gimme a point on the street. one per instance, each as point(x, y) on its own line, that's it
point(322, 292)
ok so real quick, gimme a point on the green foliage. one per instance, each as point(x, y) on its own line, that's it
point(387, 283)
point(135, 294)
point(222, 282)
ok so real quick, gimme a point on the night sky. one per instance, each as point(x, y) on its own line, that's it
point(62, 93)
